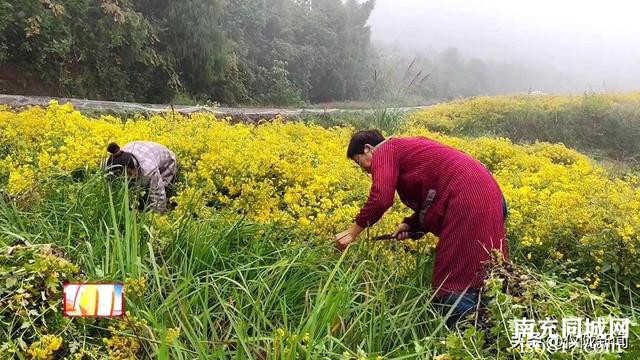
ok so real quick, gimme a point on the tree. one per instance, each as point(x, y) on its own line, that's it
point(191, 40)
point(321, 46)
point(240, 51)
point(87, 48)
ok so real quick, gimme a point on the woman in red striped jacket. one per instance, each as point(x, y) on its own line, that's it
point(452, 196)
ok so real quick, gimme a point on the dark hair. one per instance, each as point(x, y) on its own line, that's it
point(362, 138)
point(119, 160)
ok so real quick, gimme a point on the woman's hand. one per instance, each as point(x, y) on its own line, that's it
point(402, 232)
point(346, 237)
point(343, 240)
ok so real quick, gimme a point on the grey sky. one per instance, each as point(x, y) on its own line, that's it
point(597, 41)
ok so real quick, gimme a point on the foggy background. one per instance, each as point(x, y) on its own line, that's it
point(588, 45)
point(298, 53)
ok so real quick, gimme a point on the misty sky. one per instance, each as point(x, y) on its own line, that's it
point(596, 41)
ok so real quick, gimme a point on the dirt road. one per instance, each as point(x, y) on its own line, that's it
point(252, 112)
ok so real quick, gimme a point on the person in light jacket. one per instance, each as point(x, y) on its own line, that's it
point(151, 165)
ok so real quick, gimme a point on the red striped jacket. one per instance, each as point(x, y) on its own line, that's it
point(460, 201)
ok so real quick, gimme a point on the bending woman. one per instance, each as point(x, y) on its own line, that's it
point(452, 196)
point(150, 164)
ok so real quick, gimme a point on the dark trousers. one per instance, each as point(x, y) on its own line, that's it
point(458, 305)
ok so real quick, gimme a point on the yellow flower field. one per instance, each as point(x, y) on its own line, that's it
point(490, 111)
point(564, 211)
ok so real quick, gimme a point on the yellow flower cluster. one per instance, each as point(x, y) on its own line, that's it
point(172, 334)
point(45, 348)
point(561, 205)
point(135, 286)
point(284, 343)
point(289, 173)
point(123, 345)
point(488, 112)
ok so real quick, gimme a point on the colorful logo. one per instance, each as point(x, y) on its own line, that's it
point(93, 300)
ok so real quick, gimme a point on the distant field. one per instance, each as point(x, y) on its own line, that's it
point(602, 125)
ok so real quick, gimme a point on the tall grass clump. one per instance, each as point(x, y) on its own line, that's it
point(389, 120)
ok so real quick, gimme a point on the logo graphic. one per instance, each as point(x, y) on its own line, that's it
point(93, 300)
point(601, 335)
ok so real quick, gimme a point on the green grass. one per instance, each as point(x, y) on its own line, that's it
point(230, 285)
point(386, 119)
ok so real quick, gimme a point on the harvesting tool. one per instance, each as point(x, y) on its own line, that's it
point(413, 235)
